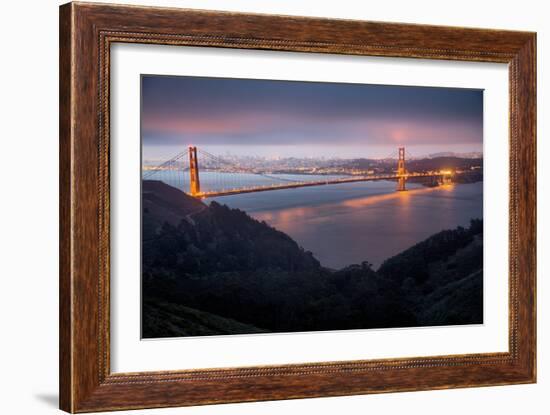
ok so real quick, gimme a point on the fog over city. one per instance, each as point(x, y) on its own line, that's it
point(283, 119)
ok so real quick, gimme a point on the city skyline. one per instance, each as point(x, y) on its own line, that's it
point(268, 118)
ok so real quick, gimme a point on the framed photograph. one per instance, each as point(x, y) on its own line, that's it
point(260, 207)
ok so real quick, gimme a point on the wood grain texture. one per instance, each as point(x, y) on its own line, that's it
point(86, 33)
point(65, 247)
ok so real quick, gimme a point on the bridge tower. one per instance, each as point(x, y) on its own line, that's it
point(195, 184)
point(401, 172)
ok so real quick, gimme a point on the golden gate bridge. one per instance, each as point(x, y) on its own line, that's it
point(231, 178)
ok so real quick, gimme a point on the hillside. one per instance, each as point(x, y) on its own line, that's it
point(441, 278)
point(186, 237)
point(162, 319)
point(163, 204)
point(209, 269)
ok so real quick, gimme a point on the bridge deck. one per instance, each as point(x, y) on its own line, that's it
point(353, 179)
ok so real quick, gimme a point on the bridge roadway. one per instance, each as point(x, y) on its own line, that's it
point(352, 179)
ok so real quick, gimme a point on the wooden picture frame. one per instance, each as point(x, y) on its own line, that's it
point(86, 33)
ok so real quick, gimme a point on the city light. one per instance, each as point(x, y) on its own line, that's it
point(276, 172)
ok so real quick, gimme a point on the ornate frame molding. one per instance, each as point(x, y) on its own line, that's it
point(87, 31)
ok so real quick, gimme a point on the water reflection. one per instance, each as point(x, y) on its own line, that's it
point(346, 224)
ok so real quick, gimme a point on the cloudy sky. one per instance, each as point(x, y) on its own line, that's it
point(301, 119)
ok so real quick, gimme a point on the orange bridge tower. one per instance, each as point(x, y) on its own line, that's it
point(195, 184)
point(401, 172)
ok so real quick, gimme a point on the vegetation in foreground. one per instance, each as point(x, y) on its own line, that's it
point(212, 270)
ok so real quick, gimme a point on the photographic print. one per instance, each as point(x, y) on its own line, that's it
point(273, 206)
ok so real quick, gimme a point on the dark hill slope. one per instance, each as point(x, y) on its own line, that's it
point(219, 271)
point(186, 237)
point(164, 204)
point(161, 319)
point(441, 278)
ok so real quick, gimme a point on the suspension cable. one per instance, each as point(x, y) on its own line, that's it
point(165, 164)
